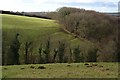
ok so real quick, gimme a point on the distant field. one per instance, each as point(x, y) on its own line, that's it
point(63, 70)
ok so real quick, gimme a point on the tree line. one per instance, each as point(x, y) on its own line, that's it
point(44, 56)
point(25, 14)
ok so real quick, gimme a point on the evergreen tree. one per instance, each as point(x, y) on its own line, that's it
point(14, 47)
point(40, 55)
point(46, 51)
point(27, 46)
point(55, 54)
point(76, 53)
point(61, 51)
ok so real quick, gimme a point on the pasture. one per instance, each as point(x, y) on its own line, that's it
point(62, 70)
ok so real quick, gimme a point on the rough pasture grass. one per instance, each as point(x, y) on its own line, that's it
point(63, 70)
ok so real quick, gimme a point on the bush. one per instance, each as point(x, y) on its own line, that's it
point(78, 55)
point(92, 55)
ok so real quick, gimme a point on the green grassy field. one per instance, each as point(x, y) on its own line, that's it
point(63, 70)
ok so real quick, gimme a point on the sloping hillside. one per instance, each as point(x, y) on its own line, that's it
point(37, 31)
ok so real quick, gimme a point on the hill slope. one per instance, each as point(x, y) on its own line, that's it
point(37, 31)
